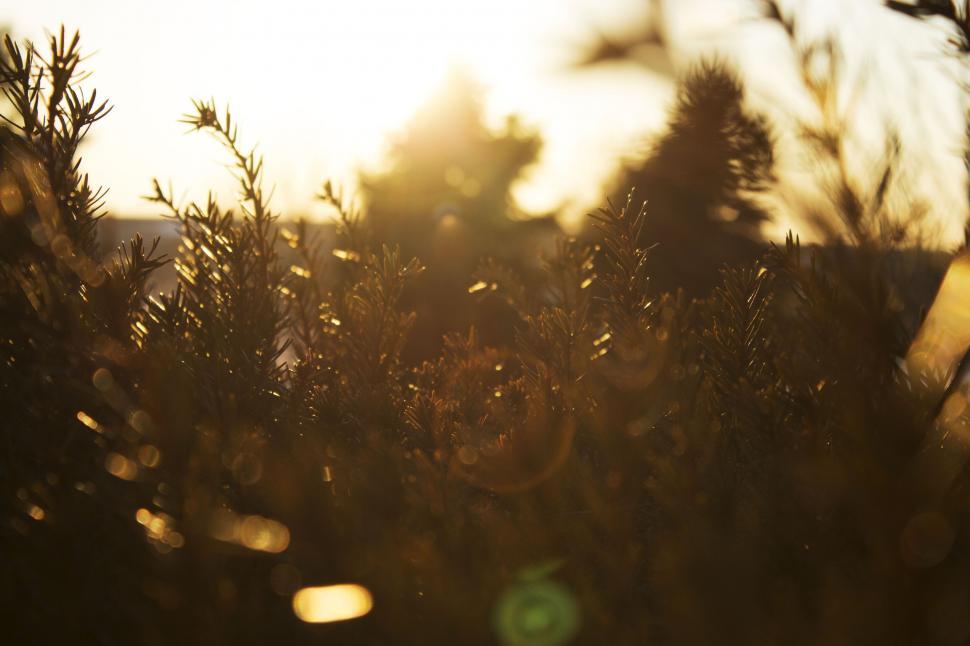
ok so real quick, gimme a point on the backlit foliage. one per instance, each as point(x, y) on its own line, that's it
point(251, 452)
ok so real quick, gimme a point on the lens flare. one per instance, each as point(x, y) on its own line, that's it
point(534, 613)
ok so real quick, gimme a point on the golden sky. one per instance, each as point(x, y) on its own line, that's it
point(321, 85)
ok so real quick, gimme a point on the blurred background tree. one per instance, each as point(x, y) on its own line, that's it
point(446, 197)
point(448, 164)
point(701, 181)
point(702, 174)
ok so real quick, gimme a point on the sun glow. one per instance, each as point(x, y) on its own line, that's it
point(320, 86)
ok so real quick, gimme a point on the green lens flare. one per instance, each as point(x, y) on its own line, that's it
point(536, 613)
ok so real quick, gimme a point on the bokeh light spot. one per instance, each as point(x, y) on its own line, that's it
point(332, 603)
point(120, 467)
point(926, 540)
point(102, 379)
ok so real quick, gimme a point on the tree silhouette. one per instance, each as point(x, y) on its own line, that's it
point(701, 181)
point(446, 198)
point(448, 165)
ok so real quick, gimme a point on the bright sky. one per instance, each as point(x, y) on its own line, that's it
point(321, 85)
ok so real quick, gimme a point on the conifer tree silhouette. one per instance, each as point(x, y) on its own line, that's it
point(701, 181)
